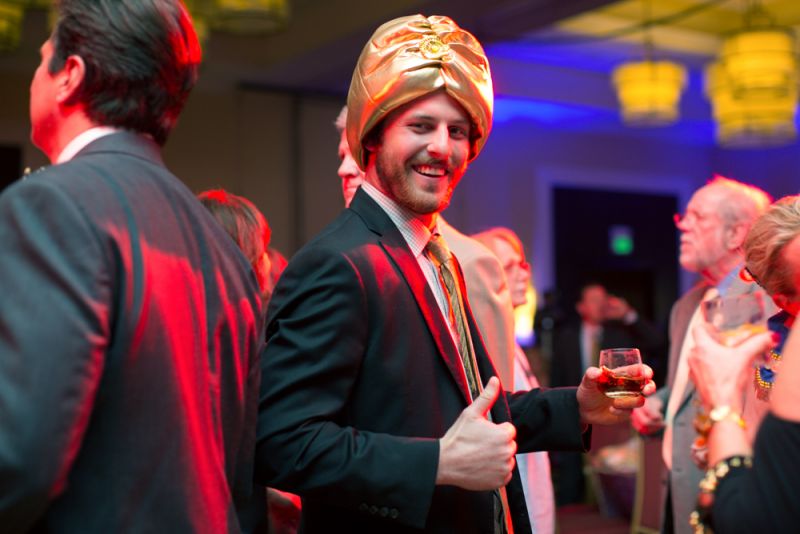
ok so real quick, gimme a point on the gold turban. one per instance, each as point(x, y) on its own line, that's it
point(410, 57)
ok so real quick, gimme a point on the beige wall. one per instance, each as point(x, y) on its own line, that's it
point(277, 149)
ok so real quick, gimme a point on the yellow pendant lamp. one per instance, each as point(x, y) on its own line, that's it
point(763, 118)
point(753, 86)
point(649, 91)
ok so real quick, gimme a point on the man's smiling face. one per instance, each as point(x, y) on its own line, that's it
point(422, 153)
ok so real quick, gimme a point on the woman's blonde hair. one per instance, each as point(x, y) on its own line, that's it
point(764, 245)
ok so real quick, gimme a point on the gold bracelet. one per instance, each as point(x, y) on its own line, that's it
point(724, 412)
point(704, 421)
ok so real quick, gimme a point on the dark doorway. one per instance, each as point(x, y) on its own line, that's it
point(10, 165)
point(647, 276)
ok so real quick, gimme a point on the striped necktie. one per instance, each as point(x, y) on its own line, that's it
point(443, 259)
point(440, 254)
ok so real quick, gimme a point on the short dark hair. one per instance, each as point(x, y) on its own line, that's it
point(141, 60)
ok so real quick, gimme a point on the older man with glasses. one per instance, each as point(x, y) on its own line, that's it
point(713, 230)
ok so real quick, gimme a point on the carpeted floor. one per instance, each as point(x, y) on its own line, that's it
point(586, 519)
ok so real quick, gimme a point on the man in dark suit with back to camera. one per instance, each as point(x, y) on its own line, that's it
point(130, 323)
point(379, 403)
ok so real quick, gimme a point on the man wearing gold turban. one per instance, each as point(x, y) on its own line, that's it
point(379, 403)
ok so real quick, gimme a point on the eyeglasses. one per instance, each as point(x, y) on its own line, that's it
point(748, 276)
point(689, 216)
point(521, 264)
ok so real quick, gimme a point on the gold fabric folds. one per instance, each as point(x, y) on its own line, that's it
point(410, 57)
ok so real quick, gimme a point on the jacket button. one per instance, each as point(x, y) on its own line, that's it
point(393, 513)
point(384, 511)
point(373, 509)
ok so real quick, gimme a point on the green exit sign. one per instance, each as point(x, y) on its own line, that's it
point(620, 240)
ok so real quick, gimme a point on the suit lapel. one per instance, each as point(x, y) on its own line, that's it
point(737, 287)
point(395, 246)
point(684, 311)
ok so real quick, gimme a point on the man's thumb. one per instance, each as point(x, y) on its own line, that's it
point(487, 398)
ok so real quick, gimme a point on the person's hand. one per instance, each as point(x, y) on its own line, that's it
point(649, 418)
point(722, 374)
point(476, 454)
point(699, 453)
point(597, 409)
point(616, 308)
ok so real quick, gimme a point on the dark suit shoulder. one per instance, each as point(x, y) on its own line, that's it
point(348, 238)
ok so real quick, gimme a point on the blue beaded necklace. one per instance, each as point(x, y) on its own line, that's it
point(765, 373)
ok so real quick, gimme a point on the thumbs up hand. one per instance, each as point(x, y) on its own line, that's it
point(476, 454)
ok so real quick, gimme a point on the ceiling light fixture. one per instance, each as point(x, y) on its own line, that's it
point(250, 17)
point(649, 91)
point(753, 85)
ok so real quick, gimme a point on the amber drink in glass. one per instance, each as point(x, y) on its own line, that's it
point(623, 374)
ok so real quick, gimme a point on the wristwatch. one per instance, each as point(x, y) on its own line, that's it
point(721, 413)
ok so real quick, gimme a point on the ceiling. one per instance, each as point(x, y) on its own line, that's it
point(318, 49)
point(551, 59)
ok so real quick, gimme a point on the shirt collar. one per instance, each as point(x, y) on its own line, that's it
point(725, 284)
point(414, 232)
point(80, 141)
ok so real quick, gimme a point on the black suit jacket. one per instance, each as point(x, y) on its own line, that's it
point(360, 379)
point(129, 336)
point(567, 366)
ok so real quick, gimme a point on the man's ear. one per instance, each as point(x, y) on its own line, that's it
point(70, 79)
point(736, 234)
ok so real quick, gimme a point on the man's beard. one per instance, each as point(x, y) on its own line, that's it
point(399, 185)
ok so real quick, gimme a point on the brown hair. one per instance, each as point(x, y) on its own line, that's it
point(242, 220)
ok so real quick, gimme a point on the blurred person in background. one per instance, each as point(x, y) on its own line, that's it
point(606, 321)
point(713, 231)
point(534, 467)
point(271, 511)
point(248, 228)
point(349, 172)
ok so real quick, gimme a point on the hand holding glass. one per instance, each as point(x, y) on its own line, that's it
point(623, 374)
point(736, 318)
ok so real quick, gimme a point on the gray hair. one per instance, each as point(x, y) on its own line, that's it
point(743, 203)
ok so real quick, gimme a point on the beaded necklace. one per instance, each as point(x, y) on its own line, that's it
point(765, 373)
